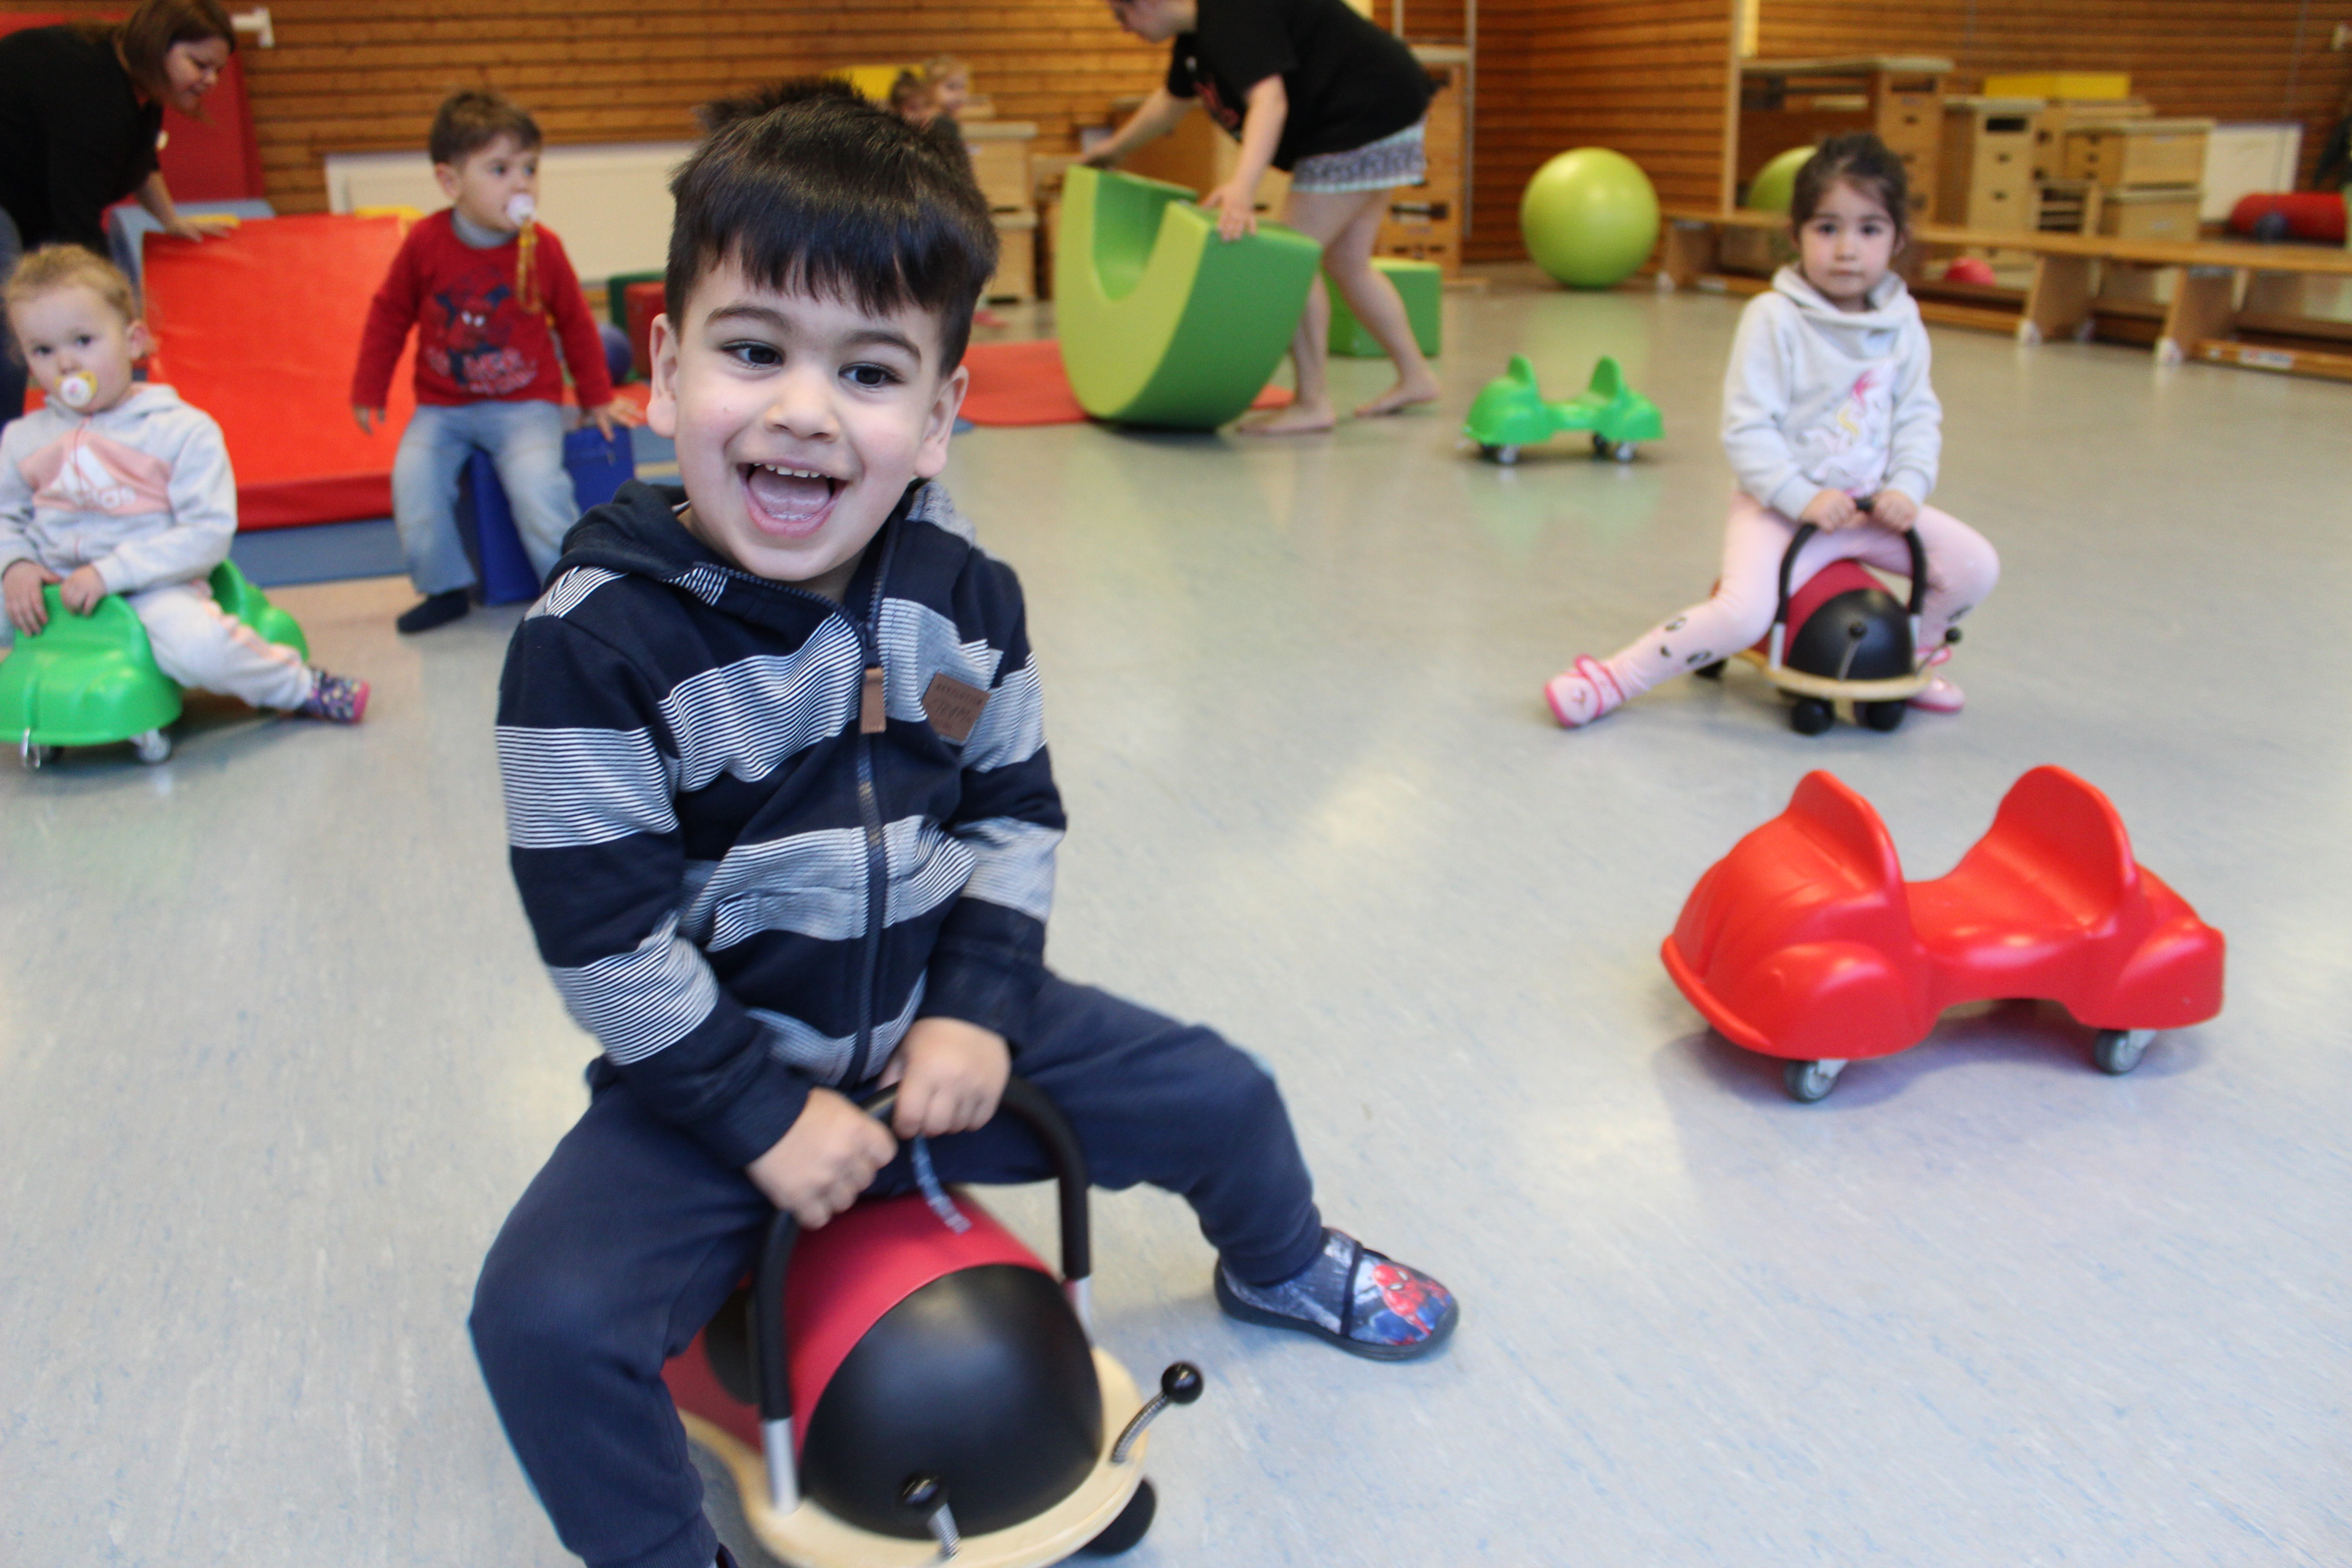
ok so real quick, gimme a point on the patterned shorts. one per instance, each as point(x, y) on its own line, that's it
point(1375, 167)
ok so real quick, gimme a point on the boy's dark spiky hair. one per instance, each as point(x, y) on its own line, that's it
point(825, 193)
point(721, 112)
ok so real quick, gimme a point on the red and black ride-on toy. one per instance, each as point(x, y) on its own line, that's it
point(1839, 636)
point(1806, 944)
point(909, 1384)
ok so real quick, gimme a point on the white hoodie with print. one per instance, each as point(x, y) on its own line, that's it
point(1819, 398)
point(142, 491)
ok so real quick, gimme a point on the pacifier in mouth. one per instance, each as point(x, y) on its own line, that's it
point(76, 389)
point(520, 207)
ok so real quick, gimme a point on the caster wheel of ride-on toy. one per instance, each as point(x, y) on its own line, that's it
point(1623, 451)
point(1600, 445)
point(1710, 671)
point(1809, 1082)
point(2118, 1051)
point(34, 755)
point(1122, 1533)
point(1881, 716)
point(1506, 456)
point(1811, 716)
point(151, 746)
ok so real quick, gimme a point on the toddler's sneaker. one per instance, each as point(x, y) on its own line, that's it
point(335, 699)
point(1366, 1303)
point(1941, 696)
point(434, 610)
point(1583, 692)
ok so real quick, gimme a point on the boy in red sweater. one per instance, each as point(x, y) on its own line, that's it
point(489, 292)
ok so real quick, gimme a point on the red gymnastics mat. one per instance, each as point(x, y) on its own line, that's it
point(1023, 384)
point(260, 329)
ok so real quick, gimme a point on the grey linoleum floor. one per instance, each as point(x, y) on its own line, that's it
point(277, 1055)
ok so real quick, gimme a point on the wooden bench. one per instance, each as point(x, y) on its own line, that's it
point(2083, 283)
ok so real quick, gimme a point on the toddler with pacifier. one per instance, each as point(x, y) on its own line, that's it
point(118, 487)
point(1826, 405)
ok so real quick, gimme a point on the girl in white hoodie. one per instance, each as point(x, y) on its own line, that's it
point(1826, 403)
point(118, 487)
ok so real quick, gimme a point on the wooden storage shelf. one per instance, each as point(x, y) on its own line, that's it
point(1987, 164)
point(2126, 155)
point(1796, 103)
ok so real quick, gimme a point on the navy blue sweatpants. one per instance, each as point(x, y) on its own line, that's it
point(632, 1237)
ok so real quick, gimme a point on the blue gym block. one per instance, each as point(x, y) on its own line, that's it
point(1420, 284)
point(502, 570)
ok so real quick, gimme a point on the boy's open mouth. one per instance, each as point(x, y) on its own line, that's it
point(788, 500)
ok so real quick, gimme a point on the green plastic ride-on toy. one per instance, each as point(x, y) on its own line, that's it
point(91, 681)
point(1511, 413)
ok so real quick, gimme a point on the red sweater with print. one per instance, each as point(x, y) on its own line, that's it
point(481, 332)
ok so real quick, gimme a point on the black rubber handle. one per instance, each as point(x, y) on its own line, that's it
point(1025, 1100)
point(1805, 532)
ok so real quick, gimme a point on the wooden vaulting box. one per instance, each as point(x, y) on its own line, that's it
point(1986, 175)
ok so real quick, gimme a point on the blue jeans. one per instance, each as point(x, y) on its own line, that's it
point(632, 1237)
point(524, 439)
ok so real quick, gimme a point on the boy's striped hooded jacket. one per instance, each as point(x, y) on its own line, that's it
point(750, 861)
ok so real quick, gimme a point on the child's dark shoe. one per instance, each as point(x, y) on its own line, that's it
point(434, 610)
point(334, 697)
point(1363, 1301)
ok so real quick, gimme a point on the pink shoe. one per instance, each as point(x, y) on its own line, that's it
point(1583, 692)
point(1941, 695)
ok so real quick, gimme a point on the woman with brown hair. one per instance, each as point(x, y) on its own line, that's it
point(80, 108)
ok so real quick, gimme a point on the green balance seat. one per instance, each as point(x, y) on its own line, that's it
point(1162, 322)
point(1420, 284)
point(91, 680)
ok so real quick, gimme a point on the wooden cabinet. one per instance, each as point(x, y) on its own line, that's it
point(2132, 155)
point(1798, 104)
point(1425, 221)
point(1987, 163)
point(1000, 162)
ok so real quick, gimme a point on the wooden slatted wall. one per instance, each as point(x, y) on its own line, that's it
point(1649, 78)
point(366, 75)
point(2230, 60)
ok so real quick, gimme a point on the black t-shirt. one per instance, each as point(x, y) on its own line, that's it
point(74, 138)
point(1349, 82)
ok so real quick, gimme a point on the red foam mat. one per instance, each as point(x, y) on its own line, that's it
point(260, 329)
point(1024, 384)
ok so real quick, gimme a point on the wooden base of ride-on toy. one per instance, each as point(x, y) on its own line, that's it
point(91, 681)
point(910, 1384)
point(1839, 636)
point(1806, 944)
point(1510, 412)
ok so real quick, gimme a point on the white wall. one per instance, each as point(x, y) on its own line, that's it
point(610, 203)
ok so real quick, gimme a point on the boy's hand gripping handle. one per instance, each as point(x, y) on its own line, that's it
point(770, 1368)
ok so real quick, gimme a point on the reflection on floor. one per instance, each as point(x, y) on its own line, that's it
point(279, 1055)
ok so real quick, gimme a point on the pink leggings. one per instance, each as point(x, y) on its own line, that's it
point(1961, 570)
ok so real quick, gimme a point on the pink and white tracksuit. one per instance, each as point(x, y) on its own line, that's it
point(1818, 398)
point(143, 492)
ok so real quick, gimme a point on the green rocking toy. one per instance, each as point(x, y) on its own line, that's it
point(91, 681)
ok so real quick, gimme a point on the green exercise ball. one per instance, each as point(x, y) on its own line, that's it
point(1775, 184)
point(1589, 218)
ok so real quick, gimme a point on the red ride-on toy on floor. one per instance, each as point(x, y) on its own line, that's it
point(1839, 636)
point(1805, 942)
point(890, 1390)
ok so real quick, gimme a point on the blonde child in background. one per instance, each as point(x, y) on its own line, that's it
point(491, 295)
point(1826, 403)
point(118, 487)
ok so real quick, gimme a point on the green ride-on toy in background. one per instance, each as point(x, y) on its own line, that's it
point(1511, 413)
point(91, 680)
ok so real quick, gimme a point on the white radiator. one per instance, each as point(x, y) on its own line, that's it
point(609, 204)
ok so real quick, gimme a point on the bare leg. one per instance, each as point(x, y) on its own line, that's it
point(1322, 218)
point(1377, 304)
